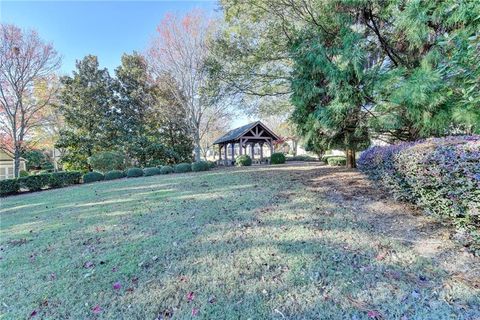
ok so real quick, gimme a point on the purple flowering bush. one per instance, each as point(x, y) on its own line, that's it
point(440, 175)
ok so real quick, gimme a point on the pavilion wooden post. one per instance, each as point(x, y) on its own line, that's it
point(225, 153)
point(219, 152)
point(252, 148)
point(233, 151)
point(240, 149)
point(271, 147)
point(261, 152)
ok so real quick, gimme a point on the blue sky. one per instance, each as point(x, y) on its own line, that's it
point(106, 29)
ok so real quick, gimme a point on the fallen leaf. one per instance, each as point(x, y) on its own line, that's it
point(373, 314)
point(33, 314)
point(97, 309)
point(381, 255)
point(117, 286)
point(88, 264)
point(190, 296)
point(194, 312)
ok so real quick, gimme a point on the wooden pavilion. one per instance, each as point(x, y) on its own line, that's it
point(243, 140)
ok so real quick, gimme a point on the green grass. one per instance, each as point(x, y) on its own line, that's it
point(248, 242)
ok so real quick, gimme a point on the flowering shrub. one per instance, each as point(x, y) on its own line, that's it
point(441, 175)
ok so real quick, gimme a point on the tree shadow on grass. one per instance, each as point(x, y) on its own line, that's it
point(271, 242)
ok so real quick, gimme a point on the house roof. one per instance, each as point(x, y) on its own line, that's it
point(237, 133)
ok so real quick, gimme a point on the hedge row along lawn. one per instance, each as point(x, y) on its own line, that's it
point(289, 241)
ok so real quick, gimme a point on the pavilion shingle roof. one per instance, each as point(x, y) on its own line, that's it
point(236, 133)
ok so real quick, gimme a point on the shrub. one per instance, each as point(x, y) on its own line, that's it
point(151, 171)
point(166, 170)
point(93, 177)
point(337, 161)
point(23, 173)
point(34, 183)
point(211, 164)
point(36, 159)
point(114, 174)
point(440, 175)
point(277, 158)
point(243, 161)
point(134, 172)
point(183, 167)
point(9, 186)
point(107, 161)
point(200, 166)
point(63, 178)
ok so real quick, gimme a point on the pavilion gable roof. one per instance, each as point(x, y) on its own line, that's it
point(237, 133)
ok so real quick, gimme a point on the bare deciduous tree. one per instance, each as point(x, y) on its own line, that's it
point(181, 50)
point(27, 65)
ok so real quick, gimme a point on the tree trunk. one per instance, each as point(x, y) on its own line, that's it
point(295, 147)
point(16, 162)
point(351, 163)
point(197, 148)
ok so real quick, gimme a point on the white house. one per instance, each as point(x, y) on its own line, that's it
point(7, 166)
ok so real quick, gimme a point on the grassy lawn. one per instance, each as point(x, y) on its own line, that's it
point(226, 244)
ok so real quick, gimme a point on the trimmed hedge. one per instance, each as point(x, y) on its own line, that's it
point(337, 161)
point(34, 183)
point(211, 164)
point(200, 166)
point(151, 171)
point(183, 167)
point(243, 161)
point(277, 158)
point(9, 186)
point(440, 175)
point(115, 174)
point(64, 178)
point(166, 170)
point(134, 172)
point(39, 182)
point(93, 176)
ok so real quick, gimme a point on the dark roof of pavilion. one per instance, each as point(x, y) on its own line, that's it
point(237, 133)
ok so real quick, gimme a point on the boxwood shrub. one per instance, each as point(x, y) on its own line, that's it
point(9, 186)
point(243, 161)
point(134, 172)
point(34, 183)
point(277, 158)
point(200, 166)
point(63, 178)
point(151, 171)
point(440, 175)
point(166, 170)
point(115, 174)
point(183, 167)
point(337, 161)
point(211, 164)
point(93, 177)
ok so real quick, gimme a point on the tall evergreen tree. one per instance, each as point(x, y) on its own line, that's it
point(398, 70)
point(86, 104)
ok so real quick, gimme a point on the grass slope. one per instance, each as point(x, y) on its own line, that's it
point(230, 244)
